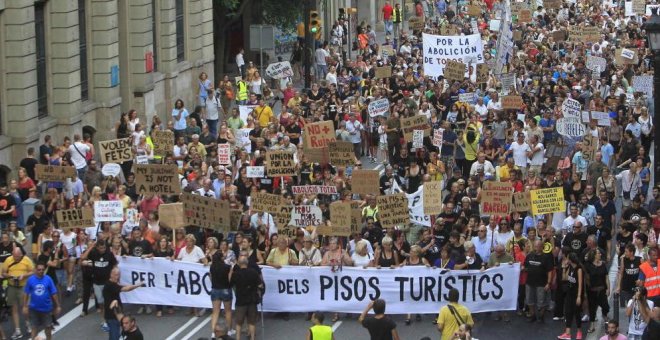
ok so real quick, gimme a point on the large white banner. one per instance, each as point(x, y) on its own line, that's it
point(415, 205)
point(439, 48)
point(306, 289)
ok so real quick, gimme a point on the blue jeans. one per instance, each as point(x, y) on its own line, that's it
point(81, 172)
point(115, 329)
point(321, 71)
point(388, 27)
point(213, 126)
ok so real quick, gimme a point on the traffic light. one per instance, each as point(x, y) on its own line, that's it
point(314, 22)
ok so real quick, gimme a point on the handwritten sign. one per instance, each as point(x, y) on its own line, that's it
point(255, 171)
point(157, 179)
point(116, 150)
point(163, 142)
point(224, 154)
point(383, 72)
point(206, 212)
point(418, 139)
point(482, 73)
point(438, 136)
point(410, 124)
point(512, 102)
point(393, 210)
point(525, 16)
point(571, 108)
point(279, 70)
point(547, 201)
point(380, 107)
point(473, 10)
point(552, 4)
point(496, 198)
point(171, 215)
point(415, 23)
point(522, 201)
point(111, 170)
point(280, 163)
point(620, 59)
point(365, 182)
point(282, 217)
point(108, 211)
point(74, 218)
point(314, 189)
point(54, 173)
point(432, 198)
point(319, 135)
point(558, 36)
point(306, 215)
point(264, 202)
point(454, 70)
point(593, 62)
point(467, 98)
point(341, 153)
point(643, 84)
point(589, 147)
point(340, 215)
point(571, 127)
point(387, 51)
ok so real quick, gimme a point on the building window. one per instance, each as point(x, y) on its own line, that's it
point(40, 32)
point(82, 44)
point(154, 32)
point(180, 34)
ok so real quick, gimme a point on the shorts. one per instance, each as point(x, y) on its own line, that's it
point(382, 146)
point(35, 249)
point(221, 295)
point(14, 296)
point(98, 292)
point(41, 320)
point(536, 296)
point(242, 311)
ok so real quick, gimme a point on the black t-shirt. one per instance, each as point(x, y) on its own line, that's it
point(5, 251)
point(220, 275)
point(652, 330)
point(6, 202)
point(134, 335)
point(537, 267)
point(139, 248)
point(623, 240)
point(29, 164)
point(607, 211)
point(449, 219)
point(256, 133)
point(475, 262)
point(602, 235)
point(630, 273)
point(39, 224)
point(441, 236)
point(379, 328)
point(432, 253)
point(627, 215)
point(111, 292)
point(102, 264)
point(294, 128)
point(457, 254)
point(577, 242)
point(43, 151)
point(246, 282)
point(50, 271)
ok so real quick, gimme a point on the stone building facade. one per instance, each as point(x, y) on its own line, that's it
point(68, 66)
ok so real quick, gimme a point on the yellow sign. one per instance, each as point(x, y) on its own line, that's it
point(546, 201)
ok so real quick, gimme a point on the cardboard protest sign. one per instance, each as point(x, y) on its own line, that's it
point(314, 189)
point(629, 58)
point(163, 142)
point(306, 215)
point(454, 70)
point(282, 216)
point(171, 215)
point(320, 156)
point(522, 201)
point(108, 211)
point(473, 10)
point(383, 72)
point(224, 154)
point(438, 136)
point(589, 147)
point(74, 218)
point(206, 212)
point(439, 49)
point(410, 124)
point(340, 214)
point(512, 102)
point(525, 15)
point(517, 35)
point(356, 216)
point(279, 70)
point(639, 6)
point(328, 229)
point(387, 51)
point(319, 135)
point(432, 198)
point(160, 179)
point(602, 118)
point(264, 202)
point(415, 23)
point(280, 163)
point(448, 30)
point(558, 36)
point(571, 127)
point(380, 107)
point(552, 4)
point(643, 84)
point(235, 216)
point(54, 173)
point(116, 150)
point(341, 153)
point(482, 73)
point(496, 198)
point(365, 182)
point(393, 210)
point(571, 108)
point(255, 171)
point(547, 201)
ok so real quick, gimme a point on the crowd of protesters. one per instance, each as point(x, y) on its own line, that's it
point(565, 256)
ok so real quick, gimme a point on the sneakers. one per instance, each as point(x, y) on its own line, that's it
point(556, 318)
point(565, 336)
point(585, 318)
point(105, 327)
point(17, 334)
point(579, 335)
point(231, 332)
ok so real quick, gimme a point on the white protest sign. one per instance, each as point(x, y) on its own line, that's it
point(314, 189)
point(628, 54)
point(494, 25)
point(380, 107)
point(571, 127)
point(593, 62)
point(508, 80)
point(439, 49)
point(418, 139)
point(111, 169)
point(602, 118)
point(108, 211)
point(571, 108)
point(244, 111)
point(244, 140)
point(254, 171)
point(438, 136)
point(279, 70)
point(142, 159)
point(188, 284)
point(643, 84)
point(306, 215)
point(649, 8)
point(416, 208)
point(467, 98)
point(224, 154)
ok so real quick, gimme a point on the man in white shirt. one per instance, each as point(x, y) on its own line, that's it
point(519, 149)
point(535, 154)
point(567, 225)
point(321, 64)
point(630, 184)
point(78, 150)
point(481, 165)
point(494, 104)
point(482, 243)
point(354, 128)
point(240, 62)
point(480, 108)
point(263, 218)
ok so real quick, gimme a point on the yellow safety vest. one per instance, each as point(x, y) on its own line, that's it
point(321, 332)
point(370, 212)
point(396, 16)
point(242, 90)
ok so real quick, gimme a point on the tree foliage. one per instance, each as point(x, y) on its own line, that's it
point(284, 14)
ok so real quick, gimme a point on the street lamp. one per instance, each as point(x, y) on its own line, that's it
point(652, 28)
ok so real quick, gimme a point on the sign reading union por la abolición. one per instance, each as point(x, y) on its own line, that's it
point(304, 289)
point(438, 49)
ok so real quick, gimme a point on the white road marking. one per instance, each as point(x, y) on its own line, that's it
point(336, 325)
point(182, 328)
point(196, 329)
